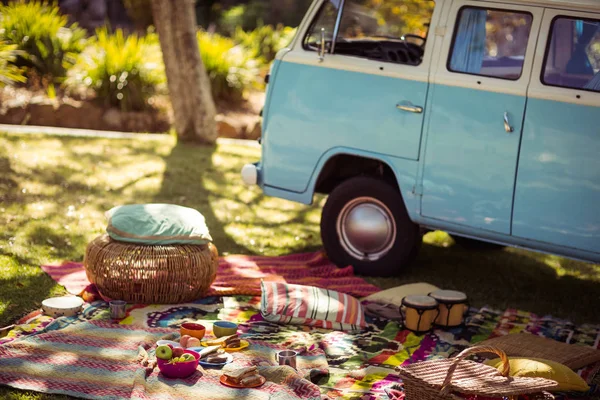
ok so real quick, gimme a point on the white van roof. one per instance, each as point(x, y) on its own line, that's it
point(587, 5)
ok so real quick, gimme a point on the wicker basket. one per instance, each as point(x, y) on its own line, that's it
point(437, 379)
point(150, 274)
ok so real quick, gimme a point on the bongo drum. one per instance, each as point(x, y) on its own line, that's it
point(419, 313)
point(453, 307)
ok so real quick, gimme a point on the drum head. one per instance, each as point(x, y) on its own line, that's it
point(420, 302)
point(449, 296)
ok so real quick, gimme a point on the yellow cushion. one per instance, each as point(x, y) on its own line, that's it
point(539, 368)
point(396, 294)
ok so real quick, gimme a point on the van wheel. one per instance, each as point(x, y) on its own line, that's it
point(474, 244)
point(365, 224)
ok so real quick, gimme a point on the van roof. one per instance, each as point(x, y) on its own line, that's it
point(588, 5)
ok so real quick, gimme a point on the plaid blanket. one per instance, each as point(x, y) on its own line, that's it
point(342, 365)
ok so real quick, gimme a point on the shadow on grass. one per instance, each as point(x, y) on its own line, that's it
point(504, 279)
point(20, 280)
point(183, 183)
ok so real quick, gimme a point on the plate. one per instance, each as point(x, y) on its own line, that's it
point(207, 364)
point(223, 379)
point(243, 345)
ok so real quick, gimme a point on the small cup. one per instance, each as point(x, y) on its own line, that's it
point(287, 357)
point(117, 309)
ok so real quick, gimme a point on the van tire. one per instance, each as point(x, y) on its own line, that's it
point(393, 238)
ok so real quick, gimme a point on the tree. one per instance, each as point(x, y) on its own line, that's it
point(189, 87)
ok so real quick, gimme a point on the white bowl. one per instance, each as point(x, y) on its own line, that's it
point(62, 306)
point(171, 342)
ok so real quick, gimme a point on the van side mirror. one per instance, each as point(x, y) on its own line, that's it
point(322, 49)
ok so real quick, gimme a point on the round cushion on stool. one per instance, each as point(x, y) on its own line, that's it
point(162, 274)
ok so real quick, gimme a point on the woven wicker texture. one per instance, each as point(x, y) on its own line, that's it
point(150, 274)
point(527, 345)
point(437, 379)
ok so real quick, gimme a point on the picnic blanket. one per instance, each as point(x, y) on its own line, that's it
point(343, 365)
point(241, 275)
point(95, 359)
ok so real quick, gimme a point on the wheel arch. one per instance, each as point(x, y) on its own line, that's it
point(339, 164)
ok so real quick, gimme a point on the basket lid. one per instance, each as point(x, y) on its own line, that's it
point(471, 378)
point(419, 301)
point(449, 296)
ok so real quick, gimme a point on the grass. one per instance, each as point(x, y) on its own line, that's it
point(54, 191)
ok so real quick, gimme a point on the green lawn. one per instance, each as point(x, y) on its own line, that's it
point(54, 191)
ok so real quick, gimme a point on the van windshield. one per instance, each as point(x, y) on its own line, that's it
point(390, 31)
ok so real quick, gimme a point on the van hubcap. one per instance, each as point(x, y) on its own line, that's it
point(366, 228)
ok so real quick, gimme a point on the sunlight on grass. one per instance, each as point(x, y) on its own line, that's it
point(54, 193)
point(438, 238)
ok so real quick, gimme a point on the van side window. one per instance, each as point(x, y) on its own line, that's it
point(325, 21)
point(490, 42)
point(573, 54)
point(385, 30)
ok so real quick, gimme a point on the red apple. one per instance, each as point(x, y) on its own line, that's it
point(177, 352)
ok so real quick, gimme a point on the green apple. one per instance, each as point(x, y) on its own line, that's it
point(187, 357)
point(164, 352)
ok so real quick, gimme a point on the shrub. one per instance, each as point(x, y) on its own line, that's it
point(49, 45)
point(123, 71)
point(9, 73)
point(247, 16)
point(265, 41)
point(230, 67)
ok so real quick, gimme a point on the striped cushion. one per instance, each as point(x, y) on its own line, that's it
point(312, 306)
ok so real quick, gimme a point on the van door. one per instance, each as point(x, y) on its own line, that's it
point(366, 92)
point(557, 198)
point(477, 102)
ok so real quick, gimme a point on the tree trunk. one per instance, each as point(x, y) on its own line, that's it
point(189, 87)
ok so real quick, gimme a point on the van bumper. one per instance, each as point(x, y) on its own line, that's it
point(251, 174)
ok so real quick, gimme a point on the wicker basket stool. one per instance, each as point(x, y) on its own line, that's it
point(150, 274)
point(437, 379)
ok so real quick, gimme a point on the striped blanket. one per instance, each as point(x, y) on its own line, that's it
point(241, 275)
point(100, 360)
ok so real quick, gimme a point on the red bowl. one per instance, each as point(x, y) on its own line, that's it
point(179, 370)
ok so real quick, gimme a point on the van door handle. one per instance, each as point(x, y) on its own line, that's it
point(410, 107)
point(507, 127)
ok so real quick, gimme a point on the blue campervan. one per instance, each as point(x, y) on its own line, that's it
point(480, 118)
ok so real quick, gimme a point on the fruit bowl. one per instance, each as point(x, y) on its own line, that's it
point(179, 370)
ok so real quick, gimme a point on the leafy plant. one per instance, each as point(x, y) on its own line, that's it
point(247, 16)
point(123, 71)
point(48, 43)
point(9, 73)
point(265, 41)
point(230, 67)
